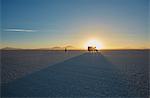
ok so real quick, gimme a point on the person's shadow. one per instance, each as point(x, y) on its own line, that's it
point(87, 75)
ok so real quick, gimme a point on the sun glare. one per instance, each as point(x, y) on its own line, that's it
point(93, 43)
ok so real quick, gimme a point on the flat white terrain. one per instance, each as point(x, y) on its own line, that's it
point(77, 74)
point(18, 63)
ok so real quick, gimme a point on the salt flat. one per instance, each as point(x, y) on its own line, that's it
point(18, 63)
point(103, 74)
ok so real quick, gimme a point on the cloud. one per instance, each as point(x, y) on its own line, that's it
point(19, 30)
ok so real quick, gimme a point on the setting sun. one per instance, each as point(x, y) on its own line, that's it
point(93, 43)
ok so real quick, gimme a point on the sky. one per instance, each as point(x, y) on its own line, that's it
point(115, 24)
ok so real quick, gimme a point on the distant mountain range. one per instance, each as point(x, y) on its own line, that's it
point(62, 48)
point(53, 48)
point(10, 48)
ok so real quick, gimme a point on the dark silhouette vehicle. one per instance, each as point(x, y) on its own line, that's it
point(92, 49)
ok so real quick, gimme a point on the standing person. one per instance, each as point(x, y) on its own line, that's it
point(65, 49)
point(96, 50)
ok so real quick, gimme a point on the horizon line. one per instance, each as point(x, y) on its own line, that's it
point(80, 49)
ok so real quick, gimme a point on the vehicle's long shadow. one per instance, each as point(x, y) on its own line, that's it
point(87, 75)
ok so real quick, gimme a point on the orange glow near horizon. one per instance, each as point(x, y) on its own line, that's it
point(93, 43)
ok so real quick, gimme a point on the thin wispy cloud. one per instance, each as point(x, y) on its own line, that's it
point(19, 30)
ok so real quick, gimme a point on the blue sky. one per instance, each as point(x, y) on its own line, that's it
point(49, 23)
